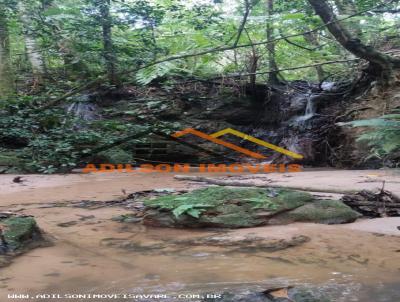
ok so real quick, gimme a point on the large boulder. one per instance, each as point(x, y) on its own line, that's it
point(242, 207)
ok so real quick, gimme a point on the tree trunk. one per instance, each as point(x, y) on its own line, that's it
point(108, 48)
point(273, 76)
point(311, 37)
point(253, 70)
point(32, 50)
point(6, 75)
point(381, 65)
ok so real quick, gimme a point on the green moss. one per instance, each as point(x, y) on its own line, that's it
point(243, 207)
point(18, 230)
point(217, 196)
point(324, 211)
point(224, 207)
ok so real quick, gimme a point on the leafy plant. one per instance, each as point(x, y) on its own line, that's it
point(193, 210)
point(384, 139)
point(145, 76)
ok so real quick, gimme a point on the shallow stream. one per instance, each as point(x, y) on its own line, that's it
point(91, 254)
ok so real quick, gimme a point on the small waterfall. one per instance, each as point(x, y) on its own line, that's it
point(310, 110)
point(83, 109)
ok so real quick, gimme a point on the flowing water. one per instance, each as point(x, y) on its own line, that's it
point(310, 109)
point(96, 255)
point(83, 109)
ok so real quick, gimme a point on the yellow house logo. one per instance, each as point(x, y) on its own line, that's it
point(214, 137)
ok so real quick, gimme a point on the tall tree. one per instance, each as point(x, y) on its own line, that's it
point(380, 63)
point(6, 75)
point(312, 38)
point(273, 76)
point(33, 51)
point(109, 55)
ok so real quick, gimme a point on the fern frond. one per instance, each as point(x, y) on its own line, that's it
point(147, 75)
point(384, 139)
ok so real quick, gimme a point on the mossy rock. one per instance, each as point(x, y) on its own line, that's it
point(18, 232)
point(222, 207)
point(320, 211)
point(226, 207)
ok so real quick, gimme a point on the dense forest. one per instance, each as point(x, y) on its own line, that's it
point(200, 150)
point(84, 80)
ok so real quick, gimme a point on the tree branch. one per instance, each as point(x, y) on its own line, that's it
point(300, 46)
point(243, 24)
point(380, 62)
point(287, 69)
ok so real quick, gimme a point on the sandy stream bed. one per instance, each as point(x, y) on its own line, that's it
point(364, 254)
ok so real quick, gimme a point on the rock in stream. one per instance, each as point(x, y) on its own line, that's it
point(17, 235)
point(224, 207)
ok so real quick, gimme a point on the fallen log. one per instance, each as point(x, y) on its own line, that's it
point(220, 182)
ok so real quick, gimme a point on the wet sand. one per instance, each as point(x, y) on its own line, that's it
point(89, 255)
point(105, 186)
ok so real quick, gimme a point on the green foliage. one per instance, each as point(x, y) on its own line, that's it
point(145, 76)
point(50, 141)
point(71, 38)
point(59, 149)
point(116, 156)
point(384, 139)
